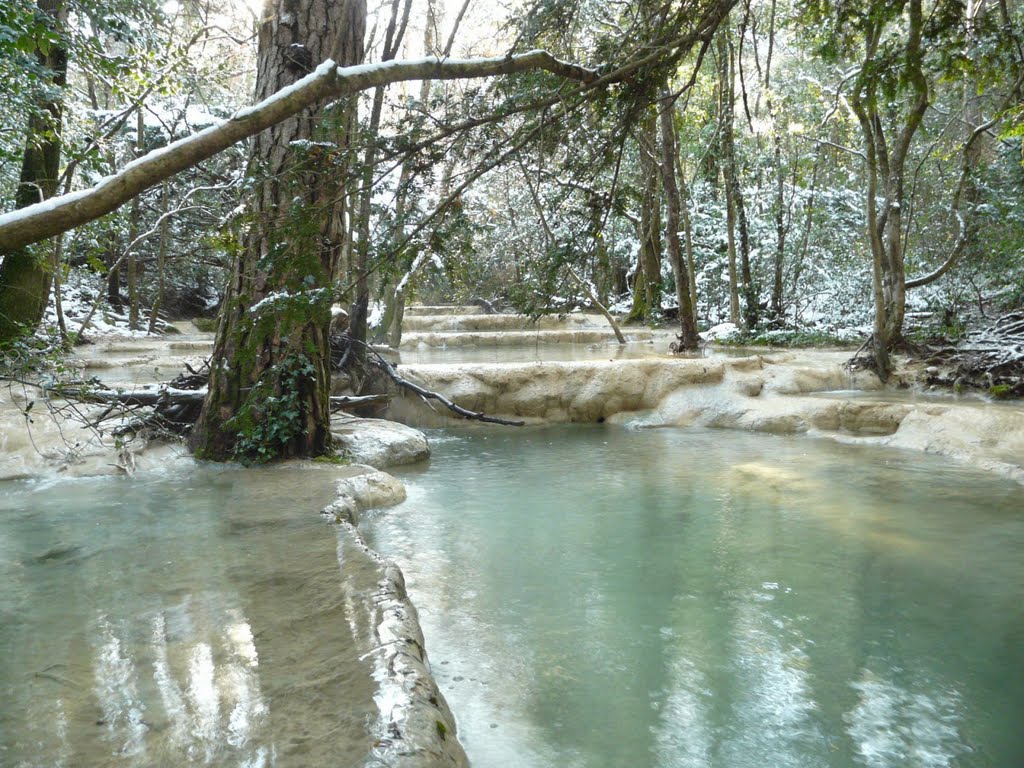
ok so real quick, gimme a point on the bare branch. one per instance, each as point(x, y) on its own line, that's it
point(59, 214)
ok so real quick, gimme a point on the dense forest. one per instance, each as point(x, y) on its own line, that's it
point(808, 171)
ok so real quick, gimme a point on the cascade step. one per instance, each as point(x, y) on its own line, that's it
point(503, 322)
point(415, 310)
point(517, 338)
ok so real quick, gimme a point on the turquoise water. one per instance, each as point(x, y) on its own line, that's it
point(198, 616)
point(612, 597)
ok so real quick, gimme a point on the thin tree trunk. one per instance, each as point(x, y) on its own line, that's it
point(133, 230)
point(360, 306)
point(161, 258)
point(688, 234)
point(688, 338)
point(57, 270)
point(734, 193)
point(780, 236)
point(801, 254)
point(395, 310)
point(726, 96)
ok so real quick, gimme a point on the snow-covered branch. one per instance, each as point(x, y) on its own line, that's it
point(328, 81)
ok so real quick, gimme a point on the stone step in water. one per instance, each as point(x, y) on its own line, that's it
point(415, 310)
point(519, 338)
point(502, 322)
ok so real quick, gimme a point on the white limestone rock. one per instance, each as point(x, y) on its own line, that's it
point(378, 442)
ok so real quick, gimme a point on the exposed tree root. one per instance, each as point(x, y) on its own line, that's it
point(991, 360)
point(340, 346)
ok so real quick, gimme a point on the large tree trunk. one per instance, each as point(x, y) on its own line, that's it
point(270, 374)
point(25, 275)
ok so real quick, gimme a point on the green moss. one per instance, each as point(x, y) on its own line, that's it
point(442, 729)
point(788, 338)
point(273, 413)
point(205, 324)
point(337, 458)
point(1000, 390)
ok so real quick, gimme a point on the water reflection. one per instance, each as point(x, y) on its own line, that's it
point(893, 726)
point(143, 624)
point(683, 598)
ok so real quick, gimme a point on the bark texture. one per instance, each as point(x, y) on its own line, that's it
point(25, 275)
point(647, 284)
point(688, 338)
point(270, 374)
point(886, 154)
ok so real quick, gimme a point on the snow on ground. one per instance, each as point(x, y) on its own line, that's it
point(79, 294)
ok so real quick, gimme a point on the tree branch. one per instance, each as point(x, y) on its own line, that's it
point(328, 81)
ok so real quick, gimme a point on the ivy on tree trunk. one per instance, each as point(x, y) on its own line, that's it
point(270, 372)
point(25, 275)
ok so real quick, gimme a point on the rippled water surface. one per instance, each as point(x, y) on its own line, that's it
point(599, 596)
point(195, 618)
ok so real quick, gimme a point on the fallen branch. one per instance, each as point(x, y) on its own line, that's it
point(356, 401)
point(427, 394)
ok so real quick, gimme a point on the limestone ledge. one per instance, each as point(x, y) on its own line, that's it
point(519, 338)
point(416, 728)
point(377, 442)
point(780, 393)
point(501, 322)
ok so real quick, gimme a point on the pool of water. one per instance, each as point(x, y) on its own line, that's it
point(600, 596)
point(197, 616)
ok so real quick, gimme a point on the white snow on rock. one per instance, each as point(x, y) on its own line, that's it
point(720, 331)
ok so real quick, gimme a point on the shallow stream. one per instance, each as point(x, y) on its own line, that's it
point(194, 616)
point(599, 596)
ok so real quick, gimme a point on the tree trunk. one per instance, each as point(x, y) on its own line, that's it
point(886, 197)
point(726, 98)
point(270, 372)
point(25, 274)
point(360, 305)
point(780, 236)
point(161, 259)
point(688, 338)
point(781, 230)
point(647, 284)
point(734, 194)
point(687, 201)
point(134, 220)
